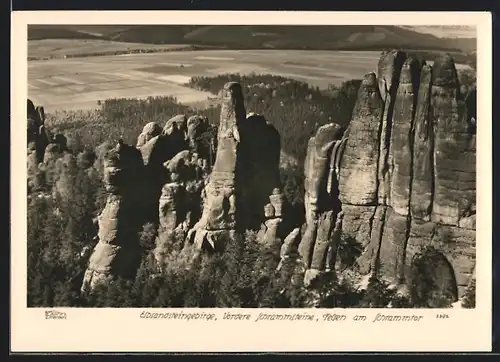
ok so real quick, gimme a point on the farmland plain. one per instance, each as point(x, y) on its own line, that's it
point(78, 83)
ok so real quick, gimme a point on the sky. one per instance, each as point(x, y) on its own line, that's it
point(450, 31)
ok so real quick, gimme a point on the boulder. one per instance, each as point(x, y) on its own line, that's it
point(150, 130)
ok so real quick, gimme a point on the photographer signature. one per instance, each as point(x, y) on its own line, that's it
point(54, 314)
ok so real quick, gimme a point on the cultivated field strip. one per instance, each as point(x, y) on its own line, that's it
point(80, 82)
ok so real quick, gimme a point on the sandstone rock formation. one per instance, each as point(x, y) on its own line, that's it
point(388, 74)
point(259, 159)
point(399, 179)
point(321, 199)
point(156, 147)
point(180, 202)
point(243, 191)
point(37, 136)
point(289, 248)
point(44, 149)
point(200, 138)
point(150, 130)
point(406, 173)
point(218, 220)
point(176, 123)
point(117, 251)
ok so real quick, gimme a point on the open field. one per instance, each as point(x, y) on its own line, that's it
point(58, 48)
point(78, 83)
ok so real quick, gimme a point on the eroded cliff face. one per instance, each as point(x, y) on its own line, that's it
point(158, 181)
point(243, 190)
point(407, 175)
point(399, 179)
point(199, 202)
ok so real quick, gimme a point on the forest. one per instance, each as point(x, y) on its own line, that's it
point(65, 198)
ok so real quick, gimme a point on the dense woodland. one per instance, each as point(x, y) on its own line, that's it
point(64, 201)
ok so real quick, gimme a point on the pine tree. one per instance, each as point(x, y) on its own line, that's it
point(469, 298)
point(377, 294)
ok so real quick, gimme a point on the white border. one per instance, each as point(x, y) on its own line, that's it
point(114, 330)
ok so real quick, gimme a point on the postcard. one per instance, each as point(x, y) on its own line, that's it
point(211, 181)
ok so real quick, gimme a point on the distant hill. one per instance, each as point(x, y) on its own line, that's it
point(446, 31)
point(336, 37)
point(41, 32)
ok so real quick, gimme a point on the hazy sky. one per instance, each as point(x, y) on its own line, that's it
point(451, 31)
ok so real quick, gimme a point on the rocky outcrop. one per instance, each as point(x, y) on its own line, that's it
point(263, 204)
point(150, 131)
point(35, 140)
point(321, 199)
point(44, 149)
point(176, 123)
point(244, 189)
point(117, 252)
point(388, 74)
point(406, 176)
point(199, 135)
point(402, 139)
point(180, 202)
point(176, 160)
point(156, 147)
point(398, 180)
point(273, 228)
point(358, 177)
point(454, 150)
point(259, 149)
point(38, 138)
point(218, 219)
point(423, 145)
point(407, 173)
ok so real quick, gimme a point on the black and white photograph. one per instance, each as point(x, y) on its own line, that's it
point(210, 181)
point(251, 166)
